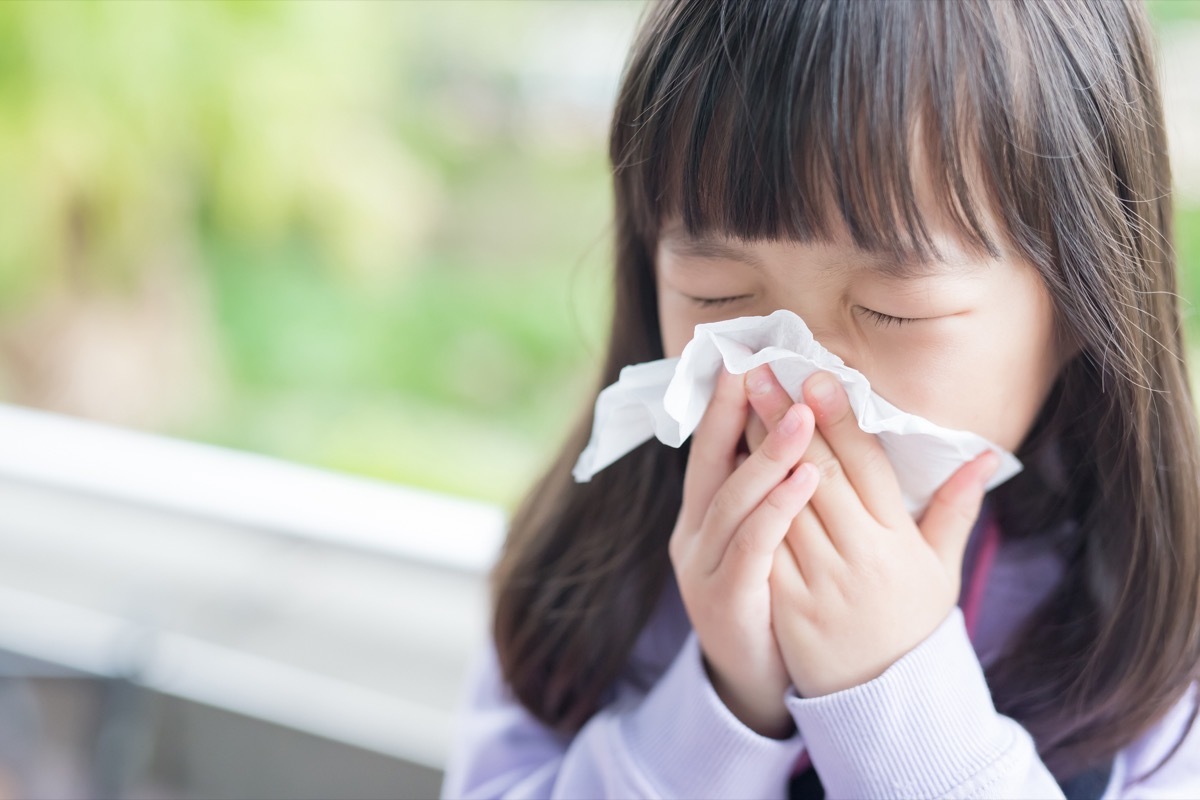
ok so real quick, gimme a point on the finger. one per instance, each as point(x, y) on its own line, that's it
point(756, 431)
point(954, 509)
point(751, 549)
point(837, 503)
point(864, 462)
point(714, 445)
point(767, 397)
point(711, 458)
point(788, 588)
point(811, 546)
point(751, 483)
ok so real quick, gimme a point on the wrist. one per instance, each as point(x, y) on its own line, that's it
point(766, 714)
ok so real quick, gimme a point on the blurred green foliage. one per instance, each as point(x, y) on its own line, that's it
point(388, 222)
point(1164, 12)
point(402, 281)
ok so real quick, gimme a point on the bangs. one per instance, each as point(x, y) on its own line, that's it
point(792, 120)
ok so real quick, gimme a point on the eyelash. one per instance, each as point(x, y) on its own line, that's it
point(709, 302)
point(883, 320)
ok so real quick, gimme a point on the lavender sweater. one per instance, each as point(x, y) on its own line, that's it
point(926, 727)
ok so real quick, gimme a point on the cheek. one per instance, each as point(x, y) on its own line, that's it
point(673, 326)
point(675, 336)
point(992, 380)
point(953, 390)
point(1021, 382)
point(672, 346)
point(676, 324)
point(1024, 366)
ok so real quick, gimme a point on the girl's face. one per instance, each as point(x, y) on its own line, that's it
point(978, 355)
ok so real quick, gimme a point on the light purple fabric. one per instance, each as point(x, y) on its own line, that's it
point(926, 727)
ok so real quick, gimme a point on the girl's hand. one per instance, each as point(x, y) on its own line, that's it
point(858, 583)
point(731, 523)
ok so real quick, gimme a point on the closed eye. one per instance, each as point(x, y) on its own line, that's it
point(709, 302)
point(884, 320)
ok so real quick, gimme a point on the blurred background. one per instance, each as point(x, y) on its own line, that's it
point(285, 227)
point(296, 298)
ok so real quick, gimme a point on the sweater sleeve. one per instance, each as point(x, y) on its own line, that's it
point(1179, 775)
point(676, 740)
point(926, 727)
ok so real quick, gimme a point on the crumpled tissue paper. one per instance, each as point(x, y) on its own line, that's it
point(667, 398)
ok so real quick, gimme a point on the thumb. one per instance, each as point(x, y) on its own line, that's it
point(947, 522)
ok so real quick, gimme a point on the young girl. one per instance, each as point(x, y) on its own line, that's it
point(969, 202)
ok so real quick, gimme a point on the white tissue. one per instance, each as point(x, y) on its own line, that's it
point(667, 398)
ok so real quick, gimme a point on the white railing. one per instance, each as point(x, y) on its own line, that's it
point(341, 606)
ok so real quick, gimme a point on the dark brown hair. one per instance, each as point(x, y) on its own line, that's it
point(761, 120)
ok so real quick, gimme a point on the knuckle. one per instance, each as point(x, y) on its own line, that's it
point(743, 542)
point(828, 468)
point(814, 616)
point(727, 502)
point(779, 499)
point(843, 415)
point(871, 564)
point(848, 586)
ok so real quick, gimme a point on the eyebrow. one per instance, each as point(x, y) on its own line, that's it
point(896, 268)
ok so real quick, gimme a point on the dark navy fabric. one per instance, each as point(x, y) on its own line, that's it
point(1088, 785)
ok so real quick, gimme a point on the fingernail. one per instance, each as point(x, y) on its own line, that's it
point(991, 463)
point(758, 381)
point(821, 388)
point(790, 423)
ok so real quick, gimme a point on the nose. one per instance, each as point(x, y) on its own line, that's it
point(832, 339)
